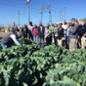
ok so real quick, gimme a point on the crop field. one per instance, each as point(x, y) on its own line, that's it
point(27, 65)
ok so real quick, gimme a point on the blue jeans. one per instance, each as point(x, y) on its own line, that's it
point(36, 39)
point(41, 42)
point(68, 40)
point(4, 46)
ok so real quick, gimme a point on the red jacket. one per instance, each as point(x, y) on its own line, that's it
point(35, 32)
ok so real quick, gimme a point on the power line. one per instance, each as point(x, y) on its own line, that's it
point(43, 9)
point(62, 14)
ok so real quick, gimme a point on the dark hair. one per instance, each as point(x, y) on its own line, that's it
point(14, 30)
point(65, 22)
point(60, 24)
point(30, 23)
point(26, 28)
point(72, 24)
point(73, 19)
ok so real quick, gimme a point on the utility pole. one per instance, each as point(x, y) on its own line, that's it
point(18, 15)
point(50, 14)
point(28, 9)
point(41, 15)
point(62, 14)
point(48, 8)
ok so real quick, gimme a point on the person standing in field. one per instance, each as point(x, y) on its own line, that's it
point(83, 38)
point(60, 32)
point(68, 35)
point(30, 27)
point(41, 30)
point(80, 32)
point(73, 35)
point(65, 27)
point(25, 31)
point(35, 34)
point(48, 35)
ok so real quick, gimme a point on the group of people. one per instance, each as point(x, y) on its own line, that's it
point(71, 35)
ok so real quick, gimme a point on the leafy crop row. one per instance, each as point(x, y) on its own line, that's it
point(27, 65)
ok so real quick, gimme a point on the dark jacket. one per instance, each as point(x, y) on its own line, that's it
point(41, 32)
point(60, 33)
point(81, 30)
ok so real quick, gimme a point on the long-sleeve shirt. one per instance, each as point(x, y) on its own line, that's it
point(60, 33)
point(73, 32)
point(14, 39)
point(10, 39)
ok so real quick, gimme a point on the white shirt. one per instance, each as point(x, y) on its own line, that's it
point(14, 39)
point(64, 26)
point(46, 32)
point(30, 27)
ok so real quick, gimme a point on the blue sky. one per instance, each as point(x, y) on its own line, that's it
point(71, 8)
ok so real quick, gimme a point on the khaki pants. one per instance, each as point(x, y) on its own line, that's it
point(83, 42)
point(59, 42)
point(73, 44)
